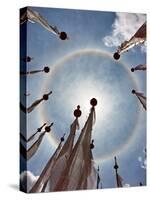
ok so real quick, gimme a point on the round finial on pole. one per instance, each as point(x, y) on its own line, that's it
point(28, 59)
point(46, 69)
point(116, 56)
point(47, 128)
point(92, 145)
point(116, 165)
point(39, 130)
point(45, 97)
point(62, 139)
point(77, 112)
point(133, 91)
point(140, 184)
point(63, 35)
point(93, 102)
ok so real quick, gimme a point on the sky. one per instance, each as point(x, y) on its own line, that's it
point(82, 68)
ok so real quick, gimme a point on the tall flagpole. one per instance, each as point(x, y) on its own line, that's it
point(45, 69)
point(116, 171)
point(32, 136)
point(98, 178)
point(35, 103)
point(66, 151)
point(78, 169)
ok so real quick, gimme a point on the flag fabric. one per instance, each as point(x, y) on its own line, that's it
point(78, 166)
point(34, 104)
point(141, 98)
point(38, 130)
point(30, 72)
point(27, 154)
point(138, 38)
point(32, 136)
point(61, 161)
point(35, 17)
point(33, 149)
point(119, 180)
point(32, 107)
point(37, 102)
point(93, 179)
point(139, 67)
point(43, 179)
point(141, 33)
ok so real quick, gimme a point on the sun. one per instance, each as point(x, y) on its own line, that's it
point(82, 95)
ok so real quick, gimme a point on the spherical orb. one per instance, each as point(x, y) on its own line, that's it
point(28, 58)
point(62, 139)
point(92, 145)
point(116, 56)
point(47, 128)
point(45, 97)
point(46, 69)
point(93, 102)
point(116, 166)
point(39, 129)
point(63, 35)
point(77, 112)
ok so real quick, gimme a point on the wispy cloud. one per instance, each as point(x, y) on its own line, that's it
point(126, 185)
point(27, 178)
point(124, 27)
point(143, 48)
point(142, 160)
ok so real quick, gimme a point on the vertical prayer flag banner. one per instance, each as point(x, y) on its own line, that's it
point(82, 99)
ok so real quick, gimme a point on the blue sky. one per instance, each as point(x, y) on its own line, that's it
point(79, 76)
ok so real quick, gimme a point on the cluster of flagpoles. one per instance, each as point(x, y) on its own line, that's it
point(35, 17)
point(35, 103)
point(71, 167)
point(27, 154)
point(138, 38)
point(45, 69)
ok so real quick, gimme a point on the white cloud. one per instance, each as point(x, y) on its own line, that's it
point(126, 185)
point(123, 28)
point(144, 47)
point(28, 178)
point(142, 160)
